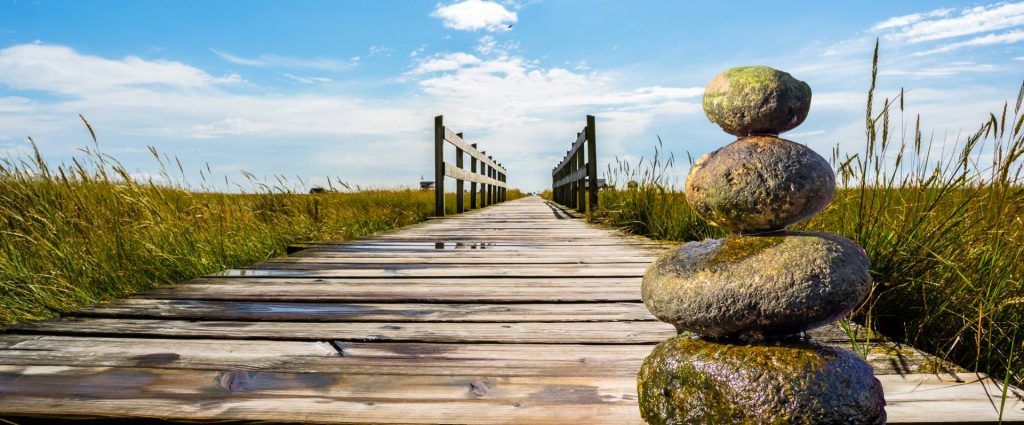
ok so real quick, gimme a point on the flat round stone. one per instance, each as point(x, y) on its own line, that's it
point(756, 100)
point(757, 287)
point(759, 184)
point(692, 381)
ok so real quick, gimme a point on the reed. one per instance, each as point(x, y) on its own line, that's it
point(87, 231)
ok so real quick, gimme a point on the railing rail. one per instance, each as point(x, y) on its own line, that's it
point(491, 176)
point(574, 180)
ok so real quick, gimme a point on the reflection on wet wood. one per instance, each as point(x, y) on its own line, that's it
point(497, 315)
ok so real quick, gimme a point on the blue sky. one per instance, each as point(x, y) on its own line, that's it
point(349, 89)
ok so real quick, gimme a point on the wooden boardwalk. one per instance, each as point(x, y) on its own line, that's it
point(511, 314)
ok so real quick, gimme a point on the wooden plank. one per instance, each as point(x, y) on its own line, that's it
point(575, 176)
point(464, 175)
point(469, 270)
point(508, 290)
point(325, 396)
point(365, 312)
point(641, 332)
point(321, 397)
point(458, 142)
point(576, 145)
point(315, 357)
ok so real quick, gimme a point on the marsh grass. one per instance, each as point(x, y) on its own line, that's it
point(942, 224)
point(87, 231)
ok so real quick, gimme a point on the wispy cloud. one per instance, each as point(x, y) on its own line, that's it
point(475, 15)
point(444, 62)
point(953, 68)
point(277, 61)
point(60, 69)
point(306, 80)
point(913, 18)
point(985, 40)
point(942, 24)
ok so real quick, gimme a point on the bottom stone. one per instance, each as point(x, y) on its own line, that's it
point(687, 380)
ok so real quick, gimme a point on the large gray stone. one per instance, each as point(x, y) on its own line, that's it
point(756, 100)
point(692, 381)
point(756, 287)
point(759, 184)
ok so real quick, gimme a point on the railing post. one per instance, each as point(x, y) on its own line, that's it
point(490, 190)
point(574, 187)
point(472, 185)
point(581, 196)
point(483, 186)
point(592, 162)
point(460, 206)
point(439, 166)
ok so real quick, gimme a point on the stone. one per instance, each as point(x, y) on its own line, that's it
point(759, 184)
point(752, 100)
point(686, 380)
point(757, 287)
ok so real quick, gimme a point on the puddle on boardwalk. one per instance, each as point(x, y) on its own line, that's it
point(425, 246)
point(260, 273)
point(341, 309)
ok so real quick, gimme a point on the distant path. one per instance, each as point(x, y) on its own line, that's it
point(513, 313)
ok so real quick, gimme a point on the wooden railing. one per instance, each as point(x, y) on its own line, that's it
point(576, 176)
point(491, 175)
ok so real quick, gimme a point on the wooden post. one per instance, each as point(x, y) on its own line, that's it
point(472, 185)
point(483, 186)
point(581, 195)
point(439, 166)
point(490, 190)
point(460, 206)
point(575, 185)
point(592, 162)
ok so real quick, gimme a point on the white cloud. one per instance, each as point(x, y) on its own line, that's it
point(277, 61)
point(475, 15)
point(229, 127)
point(307, 80)
point(952, 68)
point(942, 24)
point(905, 20)
point(380, 50)
point(985, 40)
point(62, 70)
point(444, 62)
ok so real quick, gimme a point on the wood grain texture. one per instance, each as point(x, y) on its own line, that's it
point(515, 313)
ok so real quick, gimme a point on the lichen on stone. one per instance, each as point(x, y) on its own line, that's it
point(755, 287)
point(753, 100)
point(687, 380)
point(760, 184)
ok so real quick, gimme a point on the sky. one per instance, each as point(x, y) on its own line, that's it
point(347, 90)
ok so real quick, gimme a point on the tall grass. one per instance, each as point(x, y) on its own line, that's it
point(88, 231)
point(941, 223)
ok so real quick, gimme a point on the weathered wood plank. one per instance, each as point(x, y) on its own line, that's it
point(316, 357)
point(320, 397)
point(451, 291)
point(328, 397)
point(571, 270)
point(641, 332)
point(366, 312)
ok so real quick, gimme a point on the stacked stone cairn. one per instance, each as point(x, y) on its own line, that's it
point(741, 304)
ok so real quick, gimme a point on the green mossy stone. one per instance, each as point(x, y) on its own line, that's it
point(692, 381)
point(757, 287)
point(759, 184)
point(756, 100)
